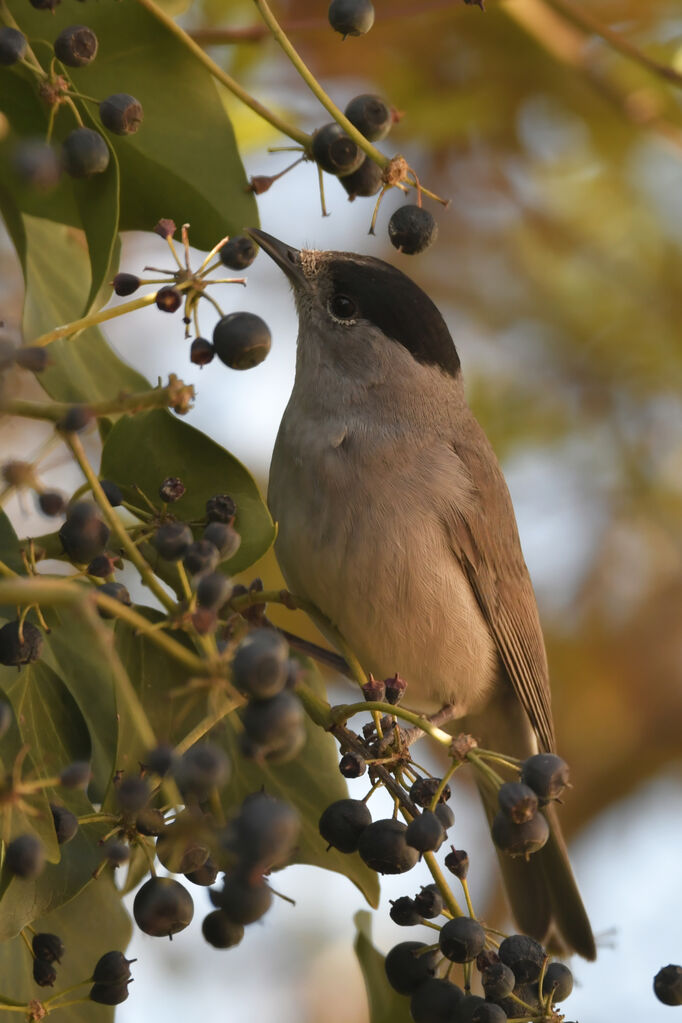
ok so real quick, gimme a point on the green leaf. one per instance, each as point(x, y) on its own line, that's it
point(10, 554)
point(57, 277)
point(92, 203)
point(183, 162)
point(142, 450)
point(385, 1004)
point(49, 724)
point(92, 923)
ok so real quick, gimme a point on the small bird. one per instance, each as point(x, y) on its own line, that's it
point(395, 521)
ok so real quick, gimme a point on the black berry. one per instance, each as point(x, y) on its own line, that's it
point(221, 508)
point(201, 556)
point(109, 994)
point(334, 151)
point(524, 956)
point(406, 970)
point(160, 759)
point(116, 852)
point(112, 968)
point(241, 340)
point(518, 801)
point(435, 1001)
point(126, 284)
point(429, 902)
point(163, 907)
point(168, 299)
point(101, 566)
point(172, 489)
point(65, 823)
point(201, 351)
point(370, 115)
point(519, 839)
point(395, 690)
point(76, 46)
point(20, 646)
point(244, 903)
point(44, 5)
point(558, 980)
point(224, 538)
point(44, 973)
point(121, 114)
point(412, 229)
point(404, 913)
point(220, 931)
point(457, 862)
point(172, 540)
point(51, 503)
point(424, 789)
point(488, 1013)
point(132, 793)
point(351, 17)
point(202, 768)
point(84, 153)
point(13, 45)
point(37, 164)
point(33, 358)
point(204, 875)
point(259, 668)
point(425, 833)
point(213, 590)
point(238, 253)
point(352, 765)
point(343, 823)
point(365, 181)
point(76, 775)
point(266, 722)
point(498, 981)
point(48, 947)
point(668, 985)
point(546, 774)
point(384, 848)
point(25, 857)
point(462, 939)
point(84, 534)
point(264, 833)
point(445, 815)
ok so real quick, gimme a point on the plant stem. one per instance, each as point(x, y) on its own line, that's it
point(481, 766)
point(204, 726)
point(92, 319)
point(222, 76)
point(309, 78)
point(345, 711)
point(117, 527)
point(54, 411)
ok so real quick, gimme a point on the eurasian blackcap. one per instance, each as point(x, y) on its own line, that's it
point(395, 521)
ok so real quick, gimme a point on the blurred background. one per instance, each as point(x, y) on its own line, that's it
point(558, 269)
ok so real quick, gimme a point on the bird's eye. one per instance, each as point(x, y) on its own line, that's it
point(342, 307)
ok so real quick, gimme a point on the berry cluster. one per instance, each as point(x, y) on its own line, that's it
point(240, 340)
point(84, 152)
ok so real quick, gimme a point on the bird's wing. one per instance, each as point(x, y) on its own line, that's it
point(483, 536)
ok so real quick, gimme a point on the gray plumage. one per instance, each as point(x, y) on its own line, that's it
point(395, 521)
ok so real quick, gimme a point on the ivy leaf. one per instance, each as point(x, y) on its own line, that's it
point(10, 554)
point(92, 923)
point(142, 450)
point(385, 1004)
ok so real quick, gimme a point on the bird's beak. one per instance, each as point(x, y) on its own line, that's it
point(286, 256)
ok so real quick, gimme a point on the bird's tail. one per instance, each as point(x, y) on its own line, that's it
point(542, 890)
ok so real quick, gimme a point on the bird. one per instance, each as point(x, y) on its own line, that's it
point(394, 521)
